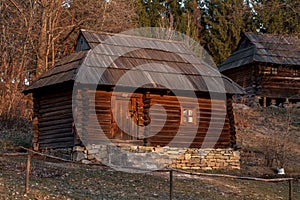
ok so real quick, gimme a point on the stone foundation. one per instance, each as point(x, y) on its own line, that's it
point(152, 158)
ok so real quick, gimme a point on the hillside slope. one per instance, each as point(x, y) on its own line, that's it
point(269, 138)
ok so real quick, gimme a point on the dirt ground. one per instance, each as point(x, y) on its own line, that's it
point(55, 180)
point(50, 179)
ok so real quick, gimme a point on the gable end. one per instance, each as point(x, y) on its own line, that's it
point(82, 44)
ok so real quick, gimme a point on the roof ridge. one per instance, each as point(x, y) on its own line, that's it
point(273, 34)
point(130, 36)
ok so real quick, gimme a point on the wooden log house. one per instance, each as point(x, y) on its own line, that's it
point(52, 95)
point(268, 67)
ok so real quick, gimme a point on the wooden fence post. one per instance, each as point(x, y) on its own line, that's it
point(171, 184)
point(27, 172)
point(291, 189)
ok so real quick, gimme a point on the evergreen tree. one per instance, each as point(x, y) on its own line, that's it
point(191, 19)
point(150, 13)
point(224, 21)
point(180, 15)
point(278, 16)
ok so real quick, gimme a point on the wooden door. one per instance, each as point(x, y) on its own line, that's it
point(126, 117)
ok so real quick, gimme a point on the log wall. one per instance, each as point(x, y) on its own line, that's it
point(93, 125)
point(247, 77)
point(53, 119)
point(258, 80)
point(173, 125)
point(118, 117)
point(284, 84)
point(136, 118)
point(123, 118)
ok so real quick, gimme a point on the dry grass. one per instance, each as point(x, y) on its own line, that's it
point(261, 131)
point(52, 180)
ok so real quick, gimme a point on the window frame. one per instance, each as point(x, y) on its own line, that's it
point(193, 115)
point(295, 72)
point(274, 70)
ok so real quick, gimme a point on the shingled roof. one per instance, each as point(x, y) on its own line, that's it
point(123, 53)
point(264, 48)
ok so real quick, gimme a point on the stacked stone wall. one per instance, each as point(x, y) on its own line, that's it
point(158, 157)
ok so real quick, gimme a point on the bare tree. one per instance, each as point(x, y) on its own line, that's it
point(34, 34)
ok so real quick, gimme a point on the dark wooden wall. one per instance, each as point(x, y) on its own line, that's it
point(246, 77)
point(88, 122)
point(203, 117)
point(53, 118)
point(116, 115)
point(53, 111)
point(258, 80)
point(131, 112)
point(284, 84)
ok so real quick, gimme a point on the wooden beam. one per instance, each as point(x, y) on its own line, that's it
point(264, 102)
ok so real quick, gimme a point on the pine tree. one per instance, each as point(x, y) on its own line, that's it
point(191, 19)
point(150, 12)
point(278, 16)
point(224, 21)
point(180, 15)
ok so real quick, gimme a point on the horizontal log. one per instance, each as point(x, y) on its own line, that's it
point(168, 118)
point(158, 111)
point(209, 116)
point(57, 93)
point(190, 128)
point(98, 114)
point(96, 132)
point(200, 109)
point(174, 124)
point(92, 124)
point(61, 103)
point(187, 140)
point(56, 140)
point(55, 117)
point(61, 126)
point(167, 133)
point(56, 130)
point(99, 92)
point(185, 99)
point(102, 103)
point(60, 112)
point(53, 136)
point(53, 145)
point(55, 100)
point(162, 121)
point(54, 109)
point(55, 122)
point(93, 101)
point(183, 104)
point(95, 126)
point(96, 121)
point(224, 133)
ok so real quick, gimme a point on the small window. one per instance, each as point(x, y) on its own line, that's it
point(188, 116)
point(265, 70)
point(274, 70)
point(295, 72)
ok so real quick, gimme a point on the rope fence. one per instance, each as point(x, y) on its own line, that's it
point(171, 171)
